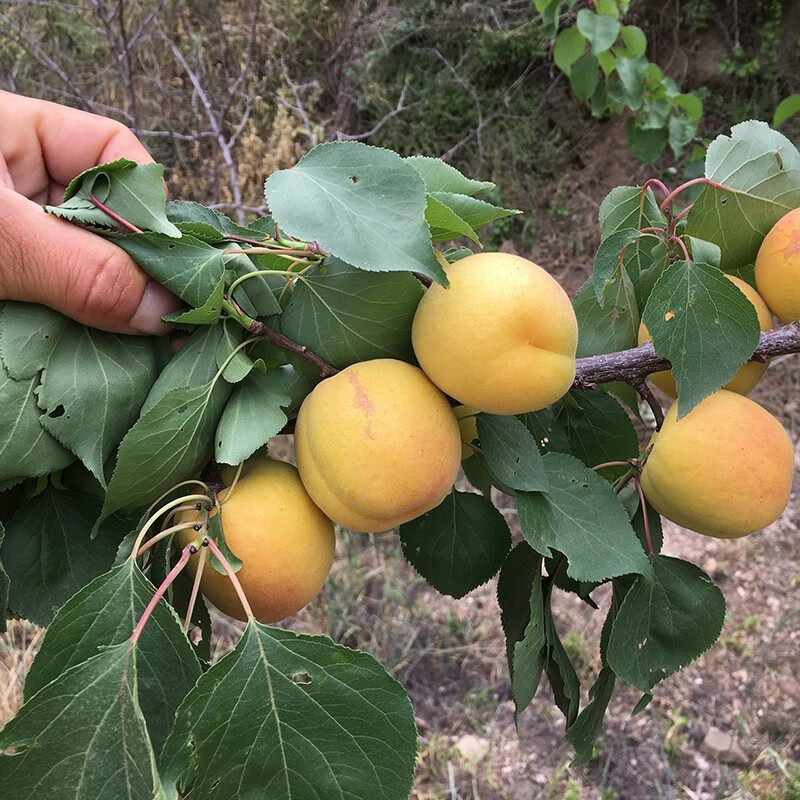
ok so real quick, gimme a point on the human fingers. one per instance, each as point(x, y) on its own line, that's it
point(46, 144)
point(46, 260)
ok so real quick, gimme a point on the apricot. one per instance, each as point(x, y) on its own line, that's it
point(723, 470)
point(749, 374)
point(468, 428)
point(502, 338)
point(778, 267)
point(377, 445)
point(284, 541)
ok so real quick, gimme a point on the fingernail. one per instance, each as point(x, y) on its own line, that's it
point(156, 302)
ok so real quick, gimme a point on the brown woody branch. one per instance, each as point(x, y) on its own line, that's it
point(633, 366)
point(285, 343)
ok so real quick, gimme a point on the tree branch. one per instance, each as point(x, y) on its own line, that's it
point(632, 366)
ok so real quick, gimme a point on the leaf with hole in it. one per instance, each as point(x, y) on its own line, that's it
point(134, 192)
point(105, 613)
point(92, 389)
point(168, 444)
point(440, 176)
point(581, 517)
point(458, 545)
point(188, 267)
point(26, 448)
point(296, 717)
point(254, 414)
point(83, 735)
point(758, 175)
point(664, 624)
point(345, 315)
point(363, 204)
point(704, 325)
point(599, 430)
point(49, 554)
point(511, 452)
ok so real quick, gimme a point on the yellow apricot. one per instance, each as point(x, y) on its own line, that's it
point(749, 374)
point(377, 445)
point(284, 541)
point(723, 470)
point(468, 427)
point(778, 267)
point(502, 338)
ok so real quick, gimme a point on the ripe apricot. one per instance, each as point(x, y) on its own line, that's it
point(502, 338)
point(284, 541)
point(377, 445)
point(749, 374)
point(723, 470)
point(778, 267)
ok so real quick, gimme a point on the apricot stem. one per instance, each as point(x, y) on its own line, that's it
point(183, 526)
point(186, 553)
point(201, 562)
point(646, 394)
point(121, 221)
point(200, 498)
point(611, 464)
point(212, 545)
point(219, 503)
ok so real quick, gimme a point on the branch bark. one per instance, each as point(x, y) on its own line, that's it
point(632, 366)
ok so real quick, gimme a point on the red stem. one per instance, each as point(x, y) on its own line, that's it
point(669, 199)
point(679, 217)
point(611, 464)
point(212, 546)
point(680, 243)
point(174, 572)
point(121, 221)
point(660, 185)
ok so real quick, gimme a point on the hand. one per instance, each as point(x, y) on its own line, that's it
point(46, 260)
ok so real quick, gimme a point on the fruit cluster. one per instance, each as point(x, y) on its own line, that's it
point(379, 443)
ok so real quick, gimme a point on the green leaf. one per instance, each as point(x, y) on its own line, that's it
point(600, 29)
point(254, 414)
point(682, 129)
point(186, 213)
point(441, 177)
point(207, 314)
point(703, 251)
point(634, 40)
point(691, 104)
point(568, 48)
point(168, 444)
point(83, 736)
point(647, 144)
point(458, 545)
point(665, 624)
point(587, 727)
point(49, 554)
point(26, 448)
point(610, 325)
point(294, 717)
point(583, 77)
point(476, 472)
point(363, 204)
point(760, 171)
point(632, 72)
point(188, 267)
point(29, 334)
point(547, 430)
point(4, 586)
point(235, 365)
point(608, 259)
point(194, 364)
point(445, 224)
point(599, 430)
point(704, 325)
point(581, 517)
point(787, 108)
point(92, 389)
point(519, 595)
point(258, 296)
point(133, 191)
point(345, 315)
point(475, 213)
point(627, 207)
point(511, 452)
point(558, 667)
point(104, 614)
point(549, 11)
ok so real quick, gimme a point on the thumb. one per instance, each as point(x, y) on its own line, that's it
point(46, 260)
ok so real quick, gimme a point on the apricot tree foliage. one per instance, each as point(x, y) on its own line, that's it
point(105, 438)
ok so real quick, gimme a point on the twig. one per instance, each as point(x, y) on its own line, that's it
point(637, 363)
point(398, 109)
point(298, 108)
point(258, 328)
point(646, 394)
